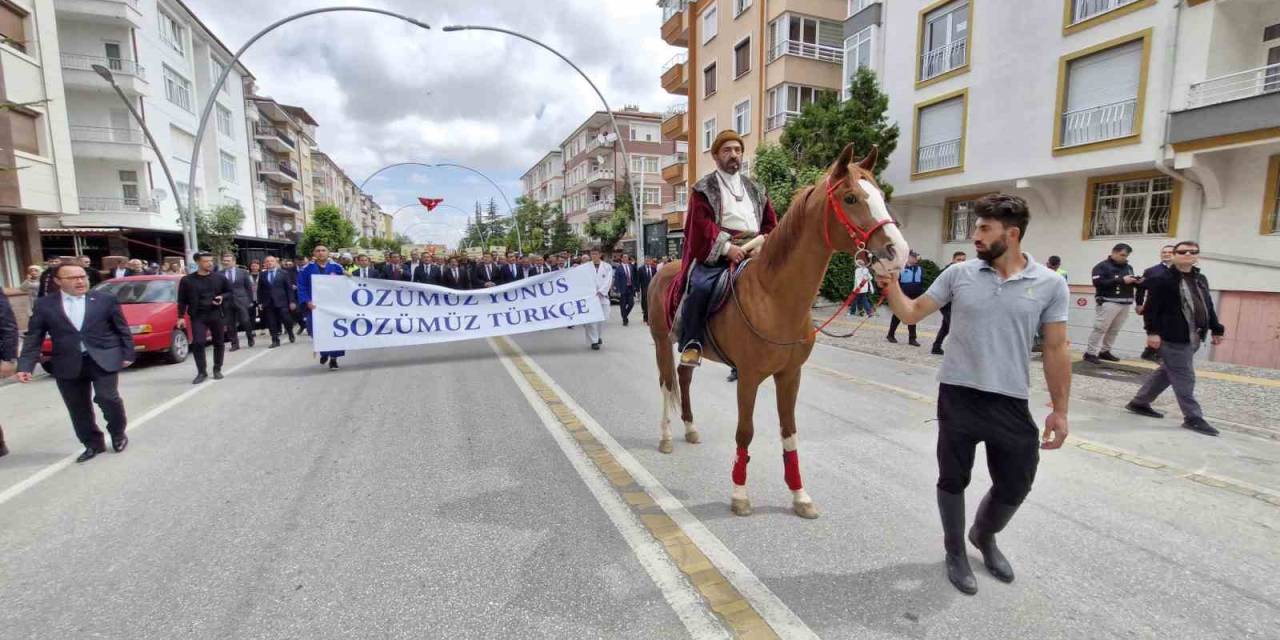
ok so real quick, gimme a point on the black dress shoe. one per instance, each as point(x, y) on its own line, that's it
point(333, 364)
point(217, 374)
point(119, 444)
point(1198, 425)
point(1092, 359)
point(324, 359)
point(88, 454)
point(292, 339)
point(274, 344)
point(1143, 409)
point(733, 375)
point(936, 350)
point(891, 339)
point(200, 377)
point(595, 346)
point(234, 347)
point(913, 343)
point(1106, 355)
point(251, 341)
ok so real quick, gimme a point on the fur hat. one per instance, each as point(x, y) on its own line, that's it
point(728, 135)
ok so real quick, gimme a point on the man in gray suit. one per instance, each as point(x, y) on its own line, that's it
point(239, 312)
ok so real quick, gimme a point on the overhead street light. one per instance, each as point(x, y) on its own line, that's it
point(186, 216)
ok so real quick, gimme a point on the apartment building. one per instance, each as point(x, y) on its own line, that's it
point(594, 164)
point(37, 172)
point(281, 142)
point(544, 182)
point(166, 62)
point(1136, 121)
point(746, 65)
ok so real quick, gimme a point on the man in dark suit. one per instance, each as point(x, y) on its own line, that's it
point(240, 303)
point(8, 350)
point(646, 273)
point(625, 281)
point(485, 274)
point(429, 271)
point(394, 269)
point(277, 295)
point(91, 344)
point(455, 276)
point(95, 276)
point(364, 268)
point(512, 271)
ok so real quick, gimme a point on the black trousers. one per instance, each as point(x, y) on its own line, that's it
point(697, 297)
point(213, 324)
point(893, 328)
point(644, 303)
point(276, 317)
point(944, 331)
point(968, 416)
point(237, 319)
point(626, 302)
point(93, 385)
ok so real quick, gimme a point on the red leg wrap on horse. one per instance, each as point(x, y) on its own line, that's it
point(791, 470)
point(740, 468)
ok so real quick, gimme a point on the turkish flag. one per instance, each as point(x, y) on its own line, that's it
point(430, 203)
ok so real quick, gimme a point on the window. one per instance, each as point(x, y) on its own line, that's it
point(227, 164)
point(13, 23)
point(644, 164)
point(1099, 92)
point(709, 80)
point(708, 133)
point(25, 128)
point(216, 68)
point(129, 187)
point(857, 5)
point(1135, 205)
point(682, 195)
point(177, 88)
point(11, 272)
point(224, 122)
point(786, 102)
point(652, 196)
point(960, 219)
point(1271, 198)
point(805, 37)
point(644, 133)
point(939, 134)
point(857, 54)
point(1098, 11)
point(944, 34)
point(742, 57)
point(710, 24)
point(742, 117)
point(173, 34)
point(183, 145)
point(739, 6)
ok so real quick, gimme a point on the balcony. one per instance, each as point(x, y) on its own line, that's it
point(675, 220)
point(674, 206)
point(939, 156)
point(600, 177)
point(79, 74)
point(675, 75)
point(673, 167)
point(285, 173)
point(936, 62)
point(120, 13)
point(273, 138)
point(1095, 124)
point(598, 141)
point(819, 52)
point(108, 204)
point(280, 203)
point(675, 123)
point(675, 22)
point(1233, 108)
point(106, 143)
point(600, 207)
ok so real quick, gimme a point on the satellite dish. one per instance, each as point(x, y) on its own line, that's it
point(159, 195)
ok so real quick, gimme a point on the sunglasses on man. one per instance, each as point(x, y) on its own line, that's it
point(1188, 252)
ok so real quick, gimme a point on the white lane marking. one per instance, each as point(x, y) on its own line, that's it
point(684, 600)
point(779, 616)
point(41, 475)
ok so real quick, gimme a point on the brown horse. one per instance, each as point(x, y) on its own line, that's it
point(766, 330)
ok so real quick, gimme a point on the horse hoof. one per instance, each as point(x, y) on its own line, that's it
point(692, 437)
point(665, 445)
point(740, 506)
point(805, 510)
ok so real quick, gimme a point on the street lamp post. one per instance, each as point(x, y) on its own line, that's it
point(617, 131)
point(185, 215)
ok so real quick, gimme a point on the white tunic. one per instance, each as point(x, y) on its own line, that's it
point(736, 215)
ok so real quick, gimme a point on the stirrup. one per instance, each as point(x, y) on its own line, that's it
point(691, 357)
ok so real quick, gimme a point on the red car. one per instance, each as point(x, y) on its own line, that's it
point(150, 305)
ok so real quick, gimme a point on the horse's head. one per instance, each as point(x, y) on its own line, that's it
point(852, 191)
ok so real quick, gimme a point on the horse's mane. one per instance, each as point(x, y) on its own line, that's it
point(782, 242)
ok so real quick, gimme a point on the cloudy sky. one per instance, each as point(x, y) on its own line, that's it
point(384, 91)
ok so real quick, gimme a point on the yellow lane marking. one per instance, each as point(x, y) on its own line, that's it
point(1207, 479)
point(720, 597)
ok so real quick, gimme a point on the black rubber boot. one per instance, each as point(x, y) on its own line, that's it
point(951, 508)
point(990, 520)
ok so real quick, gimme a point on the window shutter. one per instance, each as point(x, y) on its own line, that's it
point(1105, 77)
point(26, 136)
point(941, 122)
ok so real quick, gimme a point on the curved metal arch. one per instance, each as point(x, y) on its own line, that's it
point(501, 192)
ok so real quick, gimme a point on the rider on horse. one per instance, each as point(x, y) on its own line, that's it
point(726, 210)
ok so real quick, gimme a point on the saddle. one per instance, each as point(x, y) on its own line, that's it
point(720, 294)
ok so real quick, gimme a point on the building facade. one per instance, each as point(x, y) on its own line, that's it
point(746, 65)
point(37, 171)
point(1137, 121)
point(594, 167)
point(544, 182)
point(166, 62)
point(280, 142)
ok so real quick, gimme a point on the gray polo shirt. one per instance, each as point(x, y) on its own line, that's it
point(994, 322)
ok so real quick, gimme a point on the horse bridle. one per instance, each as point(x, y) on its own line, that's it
point(860, 239)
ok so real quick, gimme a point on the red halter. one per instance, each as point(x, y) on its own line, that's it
point(860, 236)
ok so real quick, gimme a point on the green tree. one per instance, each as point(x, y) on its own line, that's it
point(534, 221)
point(777, 170)
point(562, 236)
point(611, 229)
point(218, 227)
point(327, 227)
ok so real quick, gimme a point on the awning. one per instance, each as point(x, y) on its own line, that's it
point(82, 231)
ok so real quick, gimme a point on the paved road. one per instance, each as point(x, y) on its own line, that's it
point(513, 489)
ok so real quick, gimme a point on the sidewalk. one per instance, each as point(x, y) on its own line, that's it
point(1237, 398)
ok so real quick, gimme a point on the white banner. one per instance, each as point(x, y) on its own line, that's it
point(352, 313)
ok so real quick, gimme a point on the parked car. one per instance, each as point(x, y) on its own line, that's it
point(150, 305)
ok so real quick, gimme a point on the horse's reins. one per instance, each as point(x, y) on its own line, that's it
point(860, 238)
